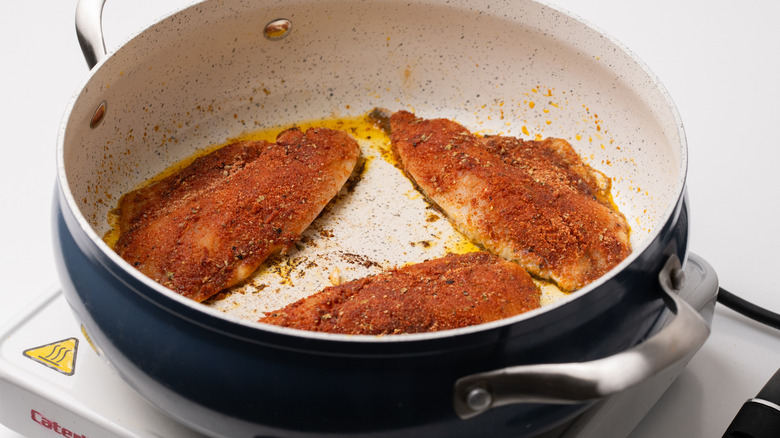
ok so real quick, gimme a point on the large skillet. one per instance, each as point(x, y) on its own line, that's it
point(213, 71)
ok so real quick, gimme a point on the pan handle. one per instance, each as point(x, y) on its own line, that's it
point(568, 383)
point(89, 30)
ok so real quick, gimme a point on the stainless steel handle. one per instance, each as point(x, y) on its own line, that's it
point(89, 30)
point(583, 381)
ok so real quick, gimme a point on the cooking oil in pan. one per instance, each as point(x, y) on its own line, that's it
point(379, 220)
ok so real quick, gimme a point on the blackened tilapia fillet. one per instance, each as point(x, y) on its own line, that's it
point(211, 225)
point(533, 202)
point(440, 294)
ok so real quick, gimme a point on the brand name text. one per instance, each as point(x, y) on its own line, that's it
point(53, 425)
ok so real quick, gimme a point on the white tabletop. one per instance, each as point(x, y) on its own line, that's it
point(720, 61)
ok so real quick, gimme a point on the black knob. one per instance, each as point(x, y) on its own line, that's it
point(759, 416)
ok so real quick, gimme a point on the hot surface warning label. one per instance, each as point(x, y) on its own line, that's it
point(59, 356)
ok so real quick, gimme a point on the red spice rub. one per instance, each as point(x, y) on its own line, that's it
point(450, 292)
point(211, 225)
point(203, 172)
point(533, 202)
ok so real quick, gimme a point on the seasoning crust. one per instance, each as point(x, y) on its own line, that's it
point(211, 225)
point(440, 294)
point(533, 202)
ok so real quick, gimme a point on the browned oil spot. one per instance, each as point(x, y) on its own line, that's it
point(358, 259)
point(357, 175)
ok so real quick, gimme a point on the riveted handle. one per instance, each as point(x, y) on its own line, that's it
point(582, 381)
point(89, 30)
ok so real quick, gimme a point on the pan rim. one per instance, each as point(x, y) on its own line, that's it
point(173, 297)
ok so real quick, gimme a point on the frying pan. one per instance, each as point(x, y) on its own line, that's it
point(224, 69)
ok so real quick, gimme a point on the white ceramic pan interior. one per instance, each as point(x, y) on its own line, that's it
point(208, 74)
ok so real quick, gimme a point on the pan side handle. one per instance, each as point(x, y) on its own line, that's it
point(566, 383)
point(89, 30)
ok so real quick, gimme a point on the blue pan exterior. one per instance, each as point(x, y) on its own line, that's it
point(232, 379)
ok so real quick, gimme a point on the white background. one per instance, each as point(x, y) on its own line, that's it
point(720, 61)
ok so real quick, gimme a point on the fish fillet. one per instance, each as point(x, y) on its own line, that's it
point(533, 202)
point(213, 224)
point(203, 172)
point(440, 294)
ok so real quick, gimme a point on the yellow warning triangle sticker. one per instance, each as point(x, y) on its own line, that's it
point(59, 356)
